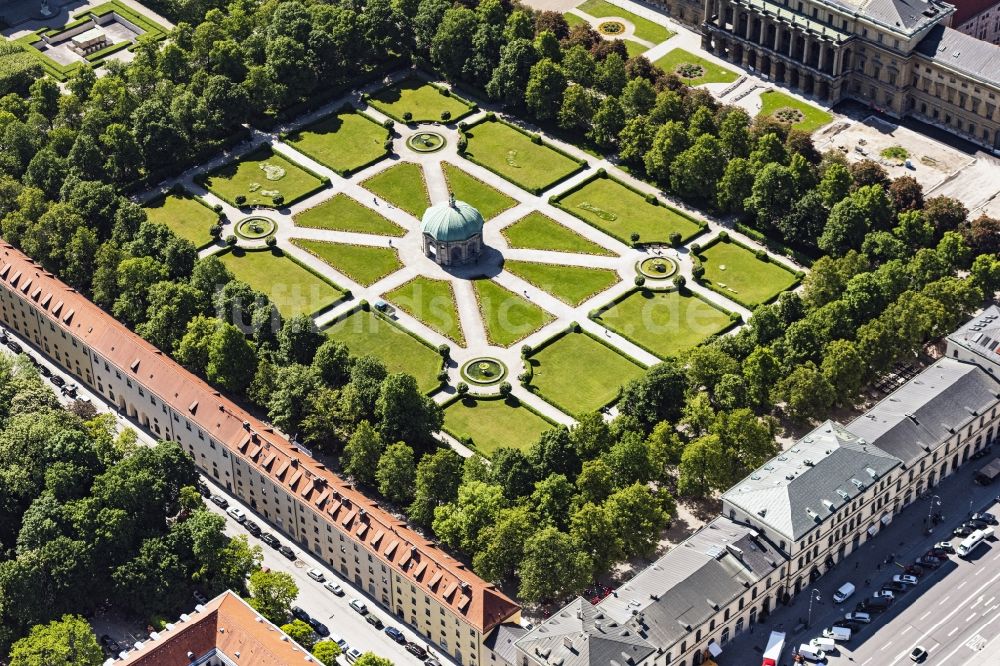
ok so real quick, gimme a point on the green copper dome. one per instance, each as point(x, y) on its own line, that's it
point(452, 221)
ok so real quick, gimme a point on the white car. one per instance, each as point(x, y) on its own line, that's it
point(333, 587)
point(863, 618)
point(945, 546)
point(905, 579)
point(316, 575)
point(887, 594)
point(359, 606)
point(353, 654)
point(237, 514)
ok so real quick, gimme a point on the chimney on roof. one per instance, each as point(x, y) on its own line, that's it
point(190, 655)
point(246, 425)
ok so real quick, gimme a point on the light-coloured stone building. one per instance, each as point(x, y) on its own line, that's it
point(452, 233)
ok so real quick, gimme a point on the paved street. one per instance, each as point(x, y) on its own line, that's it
point(953, 612)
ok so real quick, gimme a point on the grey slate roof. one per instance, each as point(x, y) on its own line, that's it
point(582, 634)
point(691, 582)
point(962, 53)
point(981, 334)
point(928, 409)
point(660, 605)
point(798, 489)
point(501, 641)
point(907, 16)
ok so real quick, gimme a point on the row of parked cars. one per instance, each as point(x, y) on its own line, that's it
point(67, 388)
point(240, 516)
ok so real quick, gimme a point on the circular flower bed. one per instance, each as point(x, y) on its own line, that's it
point(656, 268)
point(484, 371)
point(426, 142)
point(787, 114)
point(611, 28)
point(255, 228)
point(689, 70)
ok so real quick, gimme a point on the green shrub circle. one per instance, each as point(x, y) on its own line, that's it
point(484, 371)
point(611, 28)
point(255, 228)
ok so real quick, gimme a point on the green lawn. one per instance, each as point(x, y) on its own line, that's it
point(344, 142)
point(539, 232)
point(485, 198)
point(578, 373)
point(508, 317)
point(402, 185)
point(368, 333)
point(494, 423)
point(506, 151)
point(712, 73)
point(342, 213)
point(644, 28)
point(570, 284)
point(365, 264)
point(812, 117)
point(185, 215)
point(573, 19)
point(432, 302)
point(737, 273)
point(422, 100)
point(634, 48)
point(261, 176)
point(293, 289)
point(666, 323)
point(619, 211)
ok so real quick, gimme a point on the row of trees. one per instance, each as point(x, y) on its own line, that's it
point(88, 516)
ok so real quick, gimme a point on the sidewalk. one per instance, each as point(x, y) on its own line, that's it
point(904, 538)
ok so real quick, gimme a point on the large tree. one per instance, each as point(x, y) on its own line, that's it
point(65, 642)
point(272, 594)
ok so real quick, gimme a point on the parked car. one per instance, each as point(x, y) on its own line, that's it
point(863, 618)
point(395, 634)
point(237, 514)
point(57, 380)
point(939, 553)
point(287, 552)
point(270, 540)
point(905, 579)
point(918, 654)
point(985, 517)
point(199, 597)
point(203, 488)
point(319, 627)
point(894, 587)
point(945, 546)
point(845, 624)
point(14, 347)
point(416, 650)
point(432, 662)
point(914, 570)
point(353, 654)
point(963, 530)
point(374, 620)
point(43, 371)
point(884, 594)
point(929, 562)
point(339, 641)
point(359, 606)
point(316, 575)
point(111, 645)
point(333, 587)
point(252, 527)
point(978, 524)
point(221, 501)
point(300, 614)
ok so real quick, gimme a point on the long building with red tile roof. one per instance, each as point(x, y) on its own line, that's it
point(224, 631)
point(377, 552)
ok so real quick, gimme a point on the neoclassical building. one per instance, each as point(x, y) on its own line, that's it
point(898, 56)
point(452, 233)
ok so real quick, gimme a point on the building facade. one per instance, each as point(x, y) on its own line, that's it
point(978, 18)
point(452, 233)
point(398, 568)
point(900, 58)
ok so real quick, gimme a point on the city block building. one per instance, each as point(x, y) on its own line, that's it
point(404, 572)
point(978, 18)
point(978, 341)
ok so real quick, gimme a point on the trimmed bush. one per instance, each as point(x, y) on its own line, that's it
point(695, 248)
point(735, 316)
point(365, 305)
point(575, 327)
point(278, 200)
point(217, 208)
point(762, 255)
point(271, 242)
point(215, 230)
point(462, 388)
point(446, 116)
point(231, 240)
point(388, 145)
point(444, 350)
point(463, 143)
point(724, 236)
point(680, 281)
point(505, 389)
point(388, 123)
point(442, 376)
point(652, 200)
point(675, 238)
point(639, 280)
point(698, 271)
point(445, 91)
point(602, 172)
point(536, 139)
point(240, 200)
point(525, 350)
point(491, 116)
point(407, 116)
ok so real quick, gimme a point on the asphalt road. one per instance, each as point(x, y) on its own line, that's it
point(333, 611)
point(952, 612)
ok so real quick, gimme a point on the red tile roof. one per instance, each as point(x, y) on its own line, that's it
point(226, 624)
point(479, 603)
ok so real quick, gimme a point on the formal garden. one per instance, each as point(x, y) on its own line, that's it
point(536, 231)
point(748, 277)
point(508, 317)
point(800, 115)
point(413, 100)
point(693, 69)
point(488, 424)
point(365, 264)
point(570, 284)
point(292, 287)
point(262, 178)
point(402, 185)
point(431, 302)
point(488, 200)
point(665, 323)
point(366, 332)
point(345, 142)
point(342, 213)
point(188, 216)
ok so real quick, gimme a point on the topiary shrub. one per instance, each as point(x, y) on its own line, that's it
point(462, 388)
point(535, 139)
point(442, 376)
point(735, 317)
point(675, 238)
point(177, 188)
point(724, 236)
point(231, 240)
point(388, 123)
point(240, 200)
point(445, 91)
point(407, 116)
point(525, 350)
point(387, 145)
point(446, 116)
point(365, 97)
point(524, 378)
point(505, 389)
point(463, 144)
point(365, 305)
point(217, 208)
point(278, 200)
point(695, 248)
point(652, 200)
point(271, 242)
point(474, 108)
point(490, 115)
point(697, 271)
point(602, 172)
point(680, 281)
point(444, 350)
point(634, 237)
point(639, 280)
point(762, 255)
point(574, 326)
point(215, 230)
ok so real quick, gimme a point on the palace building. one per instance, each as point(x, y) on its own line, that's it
point(404, 572)
point(900, 57)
